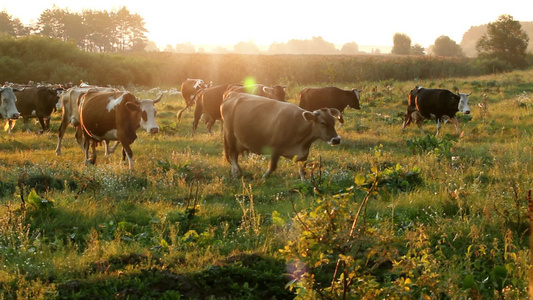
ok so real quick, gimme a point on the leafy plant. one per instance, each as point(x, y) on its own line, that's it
point(432, 145)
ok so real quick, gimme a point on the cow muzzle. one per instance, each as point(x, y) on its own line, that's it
point(154, 130)
point(467, 112)
point(335, 141)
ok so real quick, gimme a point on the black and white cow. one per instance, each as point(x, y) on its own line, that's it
point(435, 104)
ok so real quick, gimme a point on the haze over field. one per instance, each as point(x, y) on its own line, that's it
point(371, 23)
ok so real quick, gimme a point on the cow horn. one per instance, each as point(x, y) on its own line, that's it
point(158, 98)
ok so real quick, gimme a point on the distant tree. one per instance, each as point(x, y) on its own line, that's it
point(350, 48)
point(130, 30)
point(444, 46)
point(316, 45)
point(417, 49)
point(246, 48)
point(11, 26)
point(185, 48)
point(401, 44)
point(505, 40)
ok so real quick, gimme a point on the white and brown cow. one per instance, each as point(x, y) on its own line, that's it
point(8, 108)
point(114, 116)
point(189, 88)
point(70, 112)
point(258, 124)
point(440, 105)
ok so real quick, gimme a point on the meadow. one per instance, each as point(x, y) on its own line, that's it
point(384, 215)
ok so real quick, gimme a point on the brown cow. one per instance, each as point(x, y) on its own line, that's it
point(258, 124)
point(331, 97)
point(189, 88)
point(106, 116)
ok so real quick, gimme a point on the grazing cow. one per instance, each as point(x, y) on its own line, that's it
point(8, 108)
point(189, 88)
point(435, 104)
point(276, 92)
point(36, 102)
point(258, 124)
point(70, 112)
point(330, 97)
point(106, 116)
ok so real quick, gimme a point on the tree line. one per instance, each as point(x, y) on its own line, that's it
point(90, 30)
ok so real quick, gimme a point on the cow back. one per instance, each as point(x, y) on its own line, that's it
point(438, 102)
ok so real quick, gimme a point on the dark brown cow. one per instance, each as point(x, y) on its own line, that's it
point(258, 124)
point(435, 104)
point(330, 97)
point(36, 102)
point(208, 106)
point(208, 100)
point(189, 88)
point(106, 116)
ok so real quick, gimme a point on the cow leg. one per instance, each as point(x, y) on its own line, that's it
point(197, 116)
point(127, 150)
point(273, 165)
point(61, 133)
point(26, 125)
point(43, 123)
point(231, 153)
point(302, 164)
point(456, 123)
point(93, 156)
point(107, 149)
point(438, 126)
point(85, 148)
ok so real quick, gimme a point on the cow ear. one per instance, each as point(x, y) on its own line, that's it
point(336, 113)
point(309, 116)
point(133, 107)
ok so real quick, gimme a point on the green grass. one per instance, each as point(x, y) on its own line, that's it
point(179, 227)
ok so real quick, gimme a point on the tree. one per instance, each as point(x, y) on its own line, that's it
point(401, 44)
point(246, 48)
point(350, 48)
point(505, 40)
point(444, 46)
point(11, 26)
point(417, 49)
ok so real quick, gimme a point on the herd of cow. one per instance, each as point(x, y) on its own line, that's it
point(256, 117)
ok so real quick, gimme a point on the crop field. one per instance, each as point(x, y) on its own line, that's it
point(384, 215)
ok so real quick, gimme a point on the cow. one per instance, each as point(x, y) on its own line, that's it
point(331, 97)
point(8, 108)
point(70, 113)
point(189, 88)
point(106, 116)
point(258, 124)
point(36, 102)
point(440, 105)
point(276, 92)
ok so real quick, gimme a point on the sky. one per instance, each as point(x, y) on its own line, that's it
point(228, 22)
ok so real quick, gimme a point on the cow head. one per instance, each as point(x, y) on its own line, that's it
point(8, 110)
point(463, 103)
point(354, 96)
point(148, 114)
point(324, 124)
point(276, 92)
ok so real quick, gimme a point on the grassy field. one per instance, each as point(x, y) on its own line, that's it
point(386, 214)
